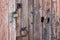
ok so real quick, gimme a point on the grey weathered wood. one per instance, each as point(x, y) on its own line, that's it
point(24, 15)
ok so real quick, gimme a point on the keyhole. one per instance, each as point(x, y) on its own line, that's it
point(48, 19)
point(42, 19)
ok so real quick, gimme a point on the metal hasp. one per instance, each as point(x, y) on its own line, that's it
point(15, 15)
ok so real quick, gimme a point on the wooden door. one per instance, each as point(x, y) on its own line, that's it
point(41, 19)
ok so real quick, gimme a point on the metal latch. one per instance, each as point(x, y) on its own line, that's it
point(15, 15)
